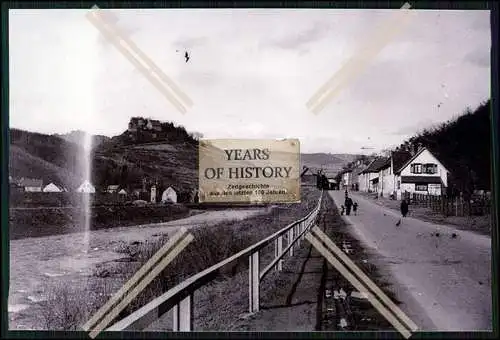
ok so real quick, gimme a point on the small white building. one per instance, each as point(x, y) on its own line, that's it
point(31, 185)
point(51, 187)
point(169, 195)
point(86, 187)
point(153, 194)
point(122, 192)
point(112, 189)
point(347, 179)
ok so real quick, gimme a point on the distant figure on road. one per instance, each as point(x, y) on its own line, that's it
point(348, 205)
point(355, 208)
point(342, 209)
point(404, 207)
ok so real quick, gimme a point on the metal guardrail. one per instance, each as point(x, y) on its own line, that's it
point(180, 297)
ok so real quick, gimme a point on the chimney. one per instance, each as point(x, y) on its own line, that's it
point(413, 150)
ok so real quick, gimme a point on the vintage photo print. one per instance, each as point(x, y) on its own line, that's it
point(250, 170)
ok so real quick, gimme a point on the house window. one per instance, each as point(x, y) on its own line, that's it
point(430, 168)
point(416, 168)
point(420, 187)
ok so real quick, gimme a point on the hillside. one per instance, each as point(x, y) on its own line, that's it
point(78, 137)
point(168, 158)
point(50, 158)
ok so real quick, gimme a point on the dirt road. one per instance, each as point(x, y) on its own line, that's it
point(38, 262)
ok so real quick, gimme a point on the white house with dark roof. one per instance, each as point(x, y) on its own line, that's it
point(31, 184)
point(423, 174)
point(111, 189)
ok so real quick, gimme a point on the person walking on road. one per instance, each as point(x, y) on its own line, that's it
point(404, 211)
point(355, 208)
point(404, 207)
point(348, 205)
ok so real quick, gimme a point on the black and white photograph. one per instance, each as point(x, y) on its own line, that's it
point(386, 221)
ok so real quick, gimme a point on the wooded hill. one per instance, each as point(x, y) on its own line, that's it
point(169, 158)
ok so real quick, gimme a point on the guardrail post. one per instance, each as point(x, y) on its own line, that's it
point(294, 232)
point(276, 253)
point(290, 239)
point(280, 252)
point(302, 227)
point(253, 284)
point(183, 311)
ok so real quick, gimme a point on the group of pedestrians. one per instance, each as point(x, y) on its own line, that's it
point(348, 205)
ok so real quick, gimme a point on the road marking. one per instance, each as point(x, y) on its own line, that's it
point(363, 277)
point(359, 61)
point(154, 266)
point(126, 46)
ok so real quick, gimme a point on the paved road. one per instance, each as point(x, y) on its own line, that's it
point(443, 281)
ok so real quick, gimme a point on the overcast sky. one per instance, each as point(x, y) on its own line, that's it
point(250, 73)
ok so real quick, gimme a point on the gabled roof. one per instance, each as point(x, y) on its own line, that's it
point(386, 164)
point(375, 165)
point(416, 155)
point(399, 158)
point(30, 182)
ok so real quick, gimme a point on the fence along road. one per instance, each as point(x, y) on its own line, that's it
point(180, 297)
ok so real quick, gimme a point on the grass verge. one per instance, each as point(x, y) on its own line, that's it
point(478, 224)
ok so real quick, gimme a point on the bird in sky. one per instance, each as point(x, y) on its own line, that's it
point(186, 55)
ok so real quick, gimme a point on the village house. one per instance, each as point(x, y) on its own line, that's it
point(51, 187)
point(423, 173)
point(368, 178)
point(169, 196)
point(14, 185)
point(403, 171)
point(357, 168)
point(111, 189)
point(387, 170)
point(86, 187)
point(346, 179)
point(31, 185)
